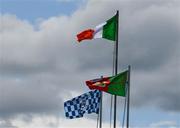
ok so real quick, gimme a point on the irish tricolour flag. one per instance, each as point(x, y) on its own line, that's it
point(107, 30)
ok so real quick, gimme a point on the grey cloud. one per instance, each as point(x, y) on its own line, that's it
point(147, 38)
point(42, 67)
point(6, 124)
point(159, 88)
point(28, 96)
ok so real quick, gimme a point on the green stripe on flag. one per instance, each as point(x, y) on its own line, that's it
point(117, 84)
point(110, 29)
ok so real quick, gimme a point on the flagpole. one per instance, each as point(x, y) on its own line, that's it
point(100, 119)
point(128, 96)
point(116, 65)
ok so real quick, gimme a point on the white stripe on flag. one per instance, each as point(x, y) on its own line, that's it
point(98, 30)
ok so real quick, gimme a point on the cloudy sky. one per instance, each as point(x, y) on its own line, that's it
point(42, 65)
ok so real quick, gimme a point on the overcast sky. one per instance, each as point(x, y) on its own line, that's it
point(42, 65)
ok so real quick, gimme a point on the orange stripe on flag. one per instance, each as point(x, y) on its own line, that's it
point(85, 35)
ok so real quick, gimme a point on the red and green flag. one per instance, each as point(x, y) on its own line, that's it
point(115, 85)
point(107, 30)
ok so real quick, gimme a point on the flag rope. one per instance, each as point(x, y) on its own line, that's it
point(113, 73)
point(124, 112)
point(111, 110)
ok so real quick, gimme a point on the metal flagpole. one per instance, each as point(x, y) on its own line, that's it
point(97, 125)
point(100, 119)
point(128, 96)
point(116, 64)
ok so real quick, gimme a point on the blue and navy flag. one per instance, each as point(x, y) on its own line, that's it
point(86, 103)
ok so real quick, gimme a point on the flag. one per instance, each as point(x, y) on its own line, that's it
point(107, 30)
point(115, 85)
point(85, 103)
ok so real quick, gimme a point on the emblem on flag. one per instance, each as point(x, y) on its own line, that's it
point(115, 85)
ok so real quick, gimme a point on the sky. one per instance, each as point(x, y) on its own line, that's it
point(42, 65)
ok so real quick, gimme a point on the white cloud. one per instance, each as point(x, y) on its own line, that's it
point(37, 122)
point(42, 65)
point(164, 124)
point(55, 122)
